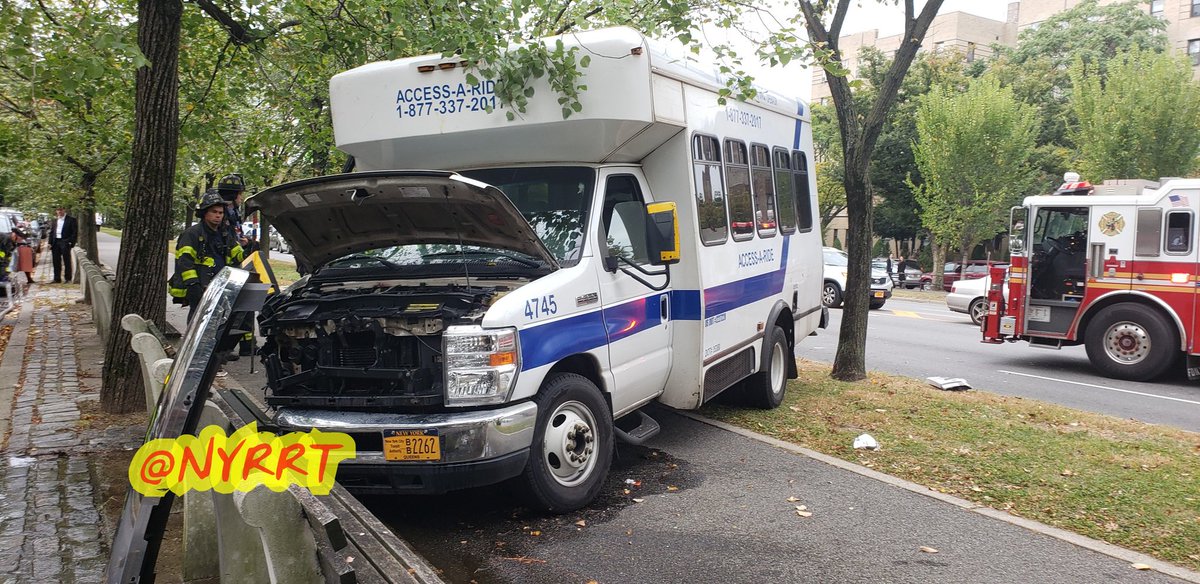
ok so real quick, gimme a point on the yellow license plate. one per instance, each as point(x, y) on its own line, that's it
point(878, 294)
point(409, 445)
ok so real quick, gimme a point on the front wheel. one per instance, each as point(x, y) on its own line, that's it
point(831, 295)
point(877, 304)
point(572, 445)
point(1132, 342)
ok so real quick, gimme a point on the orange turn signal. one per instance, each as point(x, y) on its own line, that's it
point(499, 359)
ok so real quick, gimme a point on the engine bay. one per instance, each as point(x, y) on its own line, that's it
point(366, 347)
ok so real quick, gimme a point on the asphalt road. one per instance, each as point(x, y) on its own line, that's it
point(715, 508)
point(923, 339)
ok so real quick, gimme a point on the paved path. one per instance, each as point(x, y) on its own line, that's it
point(51, 528)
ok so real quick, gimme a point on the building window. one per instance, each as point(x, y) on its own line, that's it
point(1194, 51)
point(1195, 7)
point(1156, 8)
point(710, 189)
point(737, 177)
point(970, 52)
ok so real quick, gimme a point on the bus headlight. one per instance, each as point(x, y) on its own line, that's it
point(481, 365)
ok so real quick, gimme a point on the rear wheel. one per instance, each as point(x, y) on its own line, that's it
point(1131, 341)
point(572, 445)
point(877, 304)
point(831, 295)
point(926, 285)
point(766, 388)
point(978, 310)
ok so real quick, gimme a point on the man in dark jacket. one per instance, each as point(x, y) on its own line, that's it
point(201, 251)
point(63, 232)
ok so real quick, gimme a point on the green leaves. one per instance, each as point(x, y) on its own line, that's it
point(1141, 121)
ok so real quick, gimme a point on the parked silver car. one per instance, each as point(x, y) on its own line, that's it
point(970, 297)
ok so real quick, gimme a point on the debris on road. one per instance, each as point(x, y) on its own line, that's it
point(949, 383)
point(928, 549)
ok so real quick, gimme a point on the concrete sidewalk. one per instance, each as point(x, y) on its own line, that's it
point(61, 457)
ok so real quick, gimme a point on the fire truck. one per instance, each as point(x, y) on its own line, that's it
point(1113, 267)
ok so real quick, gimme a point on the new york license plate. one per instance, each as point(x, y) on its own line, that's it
point(879, 294)
point(410, 445)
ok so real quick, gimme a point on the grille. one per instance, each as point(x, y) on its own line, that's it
point(728, 372)
point(878, 280)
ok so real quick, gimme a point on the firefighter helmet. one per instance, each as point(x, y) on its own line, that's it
point(210, 199)
point(231, 182)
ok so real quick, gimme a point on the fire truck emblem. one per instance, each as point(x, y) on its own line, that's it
point(1111, 223)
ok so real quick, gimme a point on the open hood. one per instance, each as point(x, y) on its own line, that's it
point(328, 217)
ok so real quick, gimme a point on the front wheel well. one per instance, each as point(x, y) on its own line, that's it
point(1098, 306)
point(584, 365)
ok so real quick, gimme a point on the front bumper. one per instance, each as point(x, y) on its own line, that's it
point(478, 447)
point(875, 294)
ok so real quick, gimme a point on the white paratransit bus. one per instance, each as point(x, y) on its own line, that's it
point(491, 319)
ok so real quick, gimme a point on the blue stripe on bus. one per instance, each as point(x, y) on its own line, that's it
point(548, 343)
point(799, 126)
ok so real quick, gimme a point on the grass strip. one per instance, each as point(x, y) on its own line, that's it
point(1125, 482)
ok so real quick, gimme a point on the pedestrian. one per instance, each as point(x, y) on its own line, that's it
point(201, 251)
point(900, 271)
point(231, 187)
point(63, 231)
point(24, 253)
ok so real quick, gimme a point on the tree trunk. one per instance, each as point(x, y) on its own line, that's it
point(142, 268)
point(86, 217)
point(939, 265)
point(850, 363)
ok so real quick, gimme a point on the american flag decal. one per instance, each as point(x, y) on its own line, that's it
point(1178, 200)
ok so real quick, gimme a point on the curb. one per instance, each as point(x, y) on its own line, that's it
point(10, 367)
point(1084, 542)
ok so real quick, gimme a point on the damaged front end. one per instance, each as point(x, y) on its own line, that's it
point(367, 349)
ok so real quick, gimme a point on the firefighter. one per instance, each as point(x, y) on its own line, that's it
point(231, 187)
point(202, 250)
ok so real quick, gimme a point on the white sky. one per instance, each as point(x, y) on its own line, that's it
point(796, 81)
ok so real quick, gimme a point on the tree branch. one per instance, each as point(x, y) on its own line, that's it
point(564, 28)
point(238, 32)
point(211, 79)
point(49, 16)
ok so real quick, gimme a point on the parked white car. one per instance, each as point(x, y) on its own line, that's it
point(836, 263)
point(970, 297)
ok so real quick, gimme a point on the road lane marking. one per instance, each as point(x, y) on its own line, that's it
point(906, 313)
point(1186, 401)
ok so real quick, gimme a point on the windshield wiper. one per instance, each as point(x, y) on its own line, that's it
point(363, 256)
point(533, 263)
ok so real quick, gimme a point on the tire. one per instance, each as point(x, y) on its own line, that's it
point(831, 295)
point(766, 388)
point(977, 310)
point(567, 404)
point(877, 305)
point(926, 285)
point(1132, 342)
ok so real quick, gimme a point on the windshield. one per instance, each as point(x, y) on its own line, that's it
point(555, 200)
point(836, 258)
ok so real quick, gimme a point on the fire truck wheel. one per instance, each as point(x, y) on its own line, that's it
point(831, 295)
point(766, 388)
point(977, 310)
point(572, 445)
point(1131, 341)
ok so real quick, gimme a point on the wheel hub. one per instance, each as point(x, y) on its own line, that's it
point(569, 443)
point(1126, 342)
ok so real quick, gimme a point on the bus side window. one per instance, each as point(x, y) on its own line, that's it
point(710, 190)
point(764, 190)
point(1179, 232)
point(785, 195)
point(800, 184)
point(624, 219)
point(737, 173)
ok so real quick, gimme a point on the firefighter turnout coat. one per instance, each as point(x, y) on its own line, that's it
point(200, 253)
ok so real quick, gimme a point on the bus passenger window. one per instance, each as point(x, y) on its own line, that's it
point(737, 172)
point(786, 209)
point(800, 185)
point(764, 190)
point(710, 190)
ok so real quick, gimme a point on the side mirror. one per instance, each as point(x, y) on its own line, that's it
point(662, 234)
